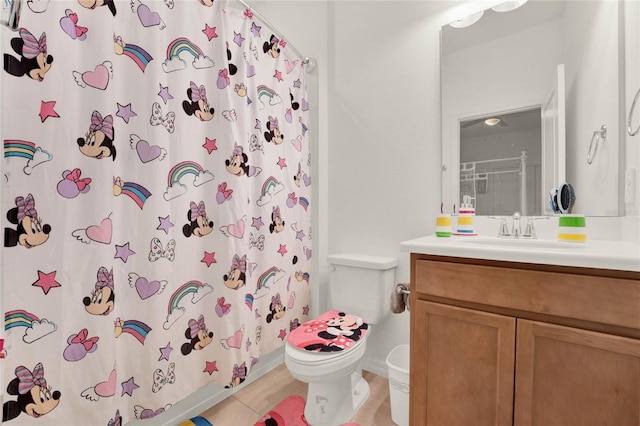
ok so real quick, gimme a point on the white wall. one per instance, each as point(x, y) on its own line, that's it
point(384, 146)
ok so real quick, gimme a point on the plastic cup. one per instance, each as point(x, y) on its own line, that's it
point(443, 225)
point(572, 228)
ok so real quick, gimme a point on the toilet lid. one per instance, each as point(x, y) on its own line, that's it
point(332, 331)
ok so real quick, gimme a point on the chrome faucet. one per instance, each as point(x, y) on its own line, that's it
point(516, 231)
point(516, 228)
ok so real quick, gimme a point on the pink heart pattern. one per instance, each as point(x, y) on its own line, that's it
point(290, 65)
point(236, 229)
point(108, 388)
point(98, 78)
point(235, 341)
point(101, 233)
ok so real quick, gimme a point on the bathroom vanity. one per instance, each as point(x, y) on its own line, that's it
point(505, 333)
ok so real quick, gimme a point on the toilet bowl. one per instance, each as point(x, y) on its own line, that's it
point(326, 352)
point(336, 386)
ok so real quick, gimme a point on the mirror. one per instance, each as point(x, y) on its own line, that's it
point(556, 62)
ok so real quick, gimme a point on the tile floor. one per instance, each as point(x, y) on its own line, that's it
point(248, 405)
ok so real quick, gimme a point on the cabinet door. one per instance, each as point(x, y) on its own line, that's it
point(566, 376)
point(462, 365)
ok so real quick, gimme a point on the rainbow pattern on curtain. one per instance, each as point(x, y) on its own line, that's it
point(155, 196)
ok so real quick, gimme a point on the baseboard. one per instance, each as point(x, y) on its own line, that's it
point(375, 366)
point(210, 395)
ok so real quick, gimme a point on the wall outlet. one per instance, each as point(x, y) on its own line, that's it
point(630, 186)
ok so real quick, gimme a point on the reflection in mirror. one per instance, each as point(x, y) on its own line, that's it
point(565, 57)
point(500, 162)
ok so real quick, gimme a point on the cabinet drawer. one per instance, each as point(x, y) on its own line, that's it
point(600, 299)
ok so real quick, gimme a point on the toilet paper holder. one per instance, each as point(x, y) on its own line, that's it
point(402, 290)
point(400, 298)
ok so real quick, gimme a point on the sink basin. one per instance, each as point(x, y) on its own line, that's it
point(523, 243)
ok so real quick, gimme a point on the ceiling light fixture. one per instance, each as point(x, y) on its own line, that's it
point(492, 121)
point(508, 5)
point(467, 20)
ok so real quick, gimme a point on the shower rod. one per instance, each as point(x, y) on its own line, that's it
point(16, 9)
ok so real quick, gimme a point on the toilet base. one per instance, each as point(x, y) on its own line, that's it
point(335, 402)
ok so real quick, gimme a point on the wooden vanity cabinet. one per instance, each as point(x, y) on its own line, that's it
point(504, 343)
point(462, 364)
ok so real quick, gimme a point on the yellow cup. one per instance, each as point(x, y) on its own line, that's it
point(443, 225)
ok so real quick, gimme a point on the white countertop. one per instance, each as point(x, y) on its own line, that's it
point(602, 254)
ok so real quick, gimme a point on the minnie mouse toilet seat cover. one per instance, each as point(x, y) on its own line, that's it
point(332, 331)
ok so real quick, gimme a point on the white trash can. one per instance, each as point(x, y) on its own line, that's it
point(398, 363)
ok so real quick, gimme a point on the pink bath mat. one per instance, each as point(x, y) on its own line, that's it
point(288, 412)
point(331, 332)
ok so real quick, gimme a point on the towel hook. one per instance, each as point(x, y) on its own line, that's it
point(633, 105)
point(598, 135)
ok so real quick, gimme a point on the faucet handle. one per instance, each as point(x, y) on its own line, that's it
point(530, 231)
point(503, 229)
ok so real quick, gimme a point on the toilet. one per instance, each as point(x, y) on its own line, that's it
point(326, 351)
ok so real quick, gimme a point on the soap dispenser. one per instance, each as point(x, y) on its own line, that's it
point(465, 217)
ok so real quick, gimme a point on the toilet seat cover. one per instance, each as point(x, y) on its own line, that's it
point(332, 331)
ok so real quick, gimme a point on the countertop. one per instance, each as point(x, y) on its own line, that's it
point(601, 254)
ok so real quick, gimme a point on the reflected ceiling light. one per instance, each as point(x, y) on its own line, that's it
point(467, 20)
point(508, 5)
point(492, 121)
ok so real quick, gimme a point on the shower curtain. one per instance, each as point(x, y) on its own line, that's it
point(155, 205)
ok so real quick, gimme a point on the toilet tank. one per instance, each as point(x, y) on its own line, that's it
point(361, 285)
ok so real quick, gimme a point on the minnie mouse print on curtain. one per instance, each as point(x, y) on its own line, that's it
point(155, 205)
